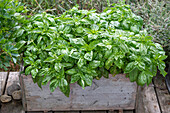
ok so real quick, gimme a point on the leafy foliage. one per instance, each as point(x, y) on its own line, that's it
point(156, 20)
point(81, 45)
point(9, 14)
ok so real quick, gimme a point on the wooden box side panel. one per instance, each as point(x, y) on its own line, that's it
point(104, 94)
point(24, 102)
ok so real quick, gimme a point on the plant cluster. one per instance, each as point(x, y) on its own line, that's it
point(82, 45)
point(156, 20)
point(9, 9)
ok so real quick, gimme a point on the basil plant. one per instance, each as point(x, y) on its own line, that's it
point(80, 45)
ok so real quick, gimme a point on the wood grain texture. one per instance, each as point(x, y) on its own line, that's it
point(34, 112)
point(146, 100)
point(104, 94)
point(3, 76)
point(23, 93)
point(38, 112)
point(93, 111)
point(162, 93)
point(12, 78)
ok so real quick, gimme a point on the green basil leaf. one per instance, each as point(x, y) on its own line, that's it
point(49, 59)
point(20, 32)
point(82, 83)
point(124, 47)
point(75, 77)
point(77, 41)
point(109, 63)
point(46, 80)
point(88, 79)
point(125, 24)
point(53, 85)
point(34, 72)
point(79, 29)
point(94, 64)
point(119, 63)
point(134, 28)
point(153, 69)
point(68, 65)
point(88, 56)
point(39, 39)
point(71, 71)
point(58, 66)
point(81, 62)
point(20, 44)
point(129, 67)
point(104, 73)
point(108, 53)
point(114, 24)
point(142, 78)
point(65, 90)
point(141, 65)
point(75, 55)
point(133, 75)
point(28, 70)
point(161, 67)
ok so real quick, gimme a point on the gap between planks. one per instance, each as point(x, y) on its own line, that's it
point(7, 79)
point(162, 93)
point(116, 111)
point(13, 77)
point(3, 81)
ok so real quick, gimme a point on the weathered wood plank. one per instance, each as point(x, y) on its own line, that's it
point(146, 100)
point(66, 112)
point(121, 111)
point(38, 112)
point(34, 112)
point(162, 93)
point(104, 94)
point(116, 93)
point(3, 77)
point(23, 93)
point(93, 111)
point(12, 107)
point(12, 78)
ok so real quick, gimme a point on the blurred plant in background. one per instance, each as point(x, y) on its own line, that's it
point(156, 20)
point(9, 17)
point(59, 6)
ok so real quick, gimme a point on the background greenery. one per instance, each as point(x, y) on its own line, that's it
point(60, 6)
point(156, 20)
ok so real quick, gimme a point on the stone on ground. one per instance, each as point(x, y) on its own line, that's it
point(16, 95)
point(5, 98)
point(12, 88)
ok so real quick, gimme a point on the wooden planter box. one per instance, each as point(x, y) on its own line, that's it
point(115, 93)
